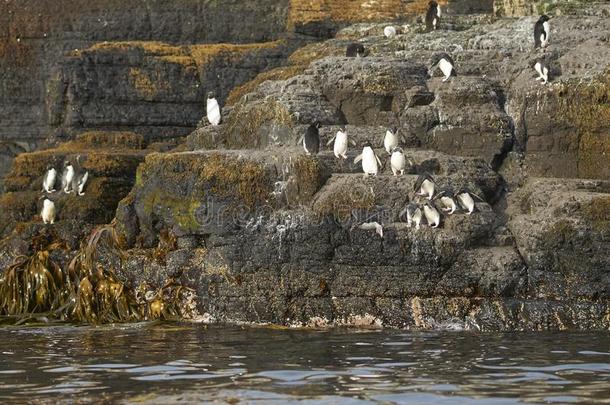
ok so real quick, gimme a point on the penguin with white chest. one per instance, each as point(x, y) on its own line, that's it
point(48, 211)
point(67, 177)
point(311, 139)
point(48, 182)
point(466, 200)
point(433, 216)
point(446, 201)
point(370, 162)
point(543, 72)
point(341, 142)
point(424, 186)
point(414, 214)
point(213, 110)
point(433, 16)
point(542, 29)
point(390, 140)
point(389, 31)
point(446, 65)
point(398, 161)
point(79, 180)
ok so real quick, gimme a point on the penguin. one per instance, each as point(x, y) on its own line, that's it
point(433, 16)
point(466, 198)
point(424, 185)
point(447, 66)
point(355, 50)
point(542, 30)
point(80, 178)
point(433, 217)
point(48, 211)
point(543, 72)
point(389, 31)
point(213, 109)
point(311, 139)
point(414, 214)
point(398, 161)
point(48, 183)
point(447, 201)
point(370, 161)
point(67, 177)
point(390, 141)
point(341, 143)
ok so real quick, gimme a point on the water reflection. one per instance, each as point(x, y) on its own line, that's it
point(154, 363)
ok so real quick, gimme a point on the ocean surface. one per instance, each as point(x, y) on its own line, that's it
point(169, 363)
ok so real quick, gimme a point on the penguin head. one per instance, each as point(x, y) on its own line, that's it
point(544, 18)
point(342, 128)
point(67, 163)
point(368, 144)
point(397, 149)
point(360, 50)
point(317, 124)
point(432, 3)
point(210, 95)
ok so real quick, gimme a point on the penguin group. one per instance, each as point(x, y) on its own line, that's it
point(429, 203)
point(445, 63)
point(371, 163)
point(73, 180)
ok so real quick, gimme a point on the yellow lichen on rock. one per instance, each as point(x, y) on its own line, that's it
point(205, 53)
point(147, 87)
point(303, 12)
point(150, 48)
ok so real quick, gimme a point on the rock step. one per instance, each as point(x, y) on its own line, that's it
point(381, 198)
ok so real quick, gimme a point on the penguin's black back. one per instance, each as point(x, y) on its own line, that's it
point(312, 139)
point(353, 49)
point(538, 31)
point(431, 14)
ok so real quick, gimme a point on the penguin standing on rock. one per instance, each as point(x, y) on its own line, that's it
point(543, 72)
point(446, 65)
point(213, 109)
point(311, 139)
point(466, 199)
point(80, 178)
point(542, 30)
point(414, 214)
point(341, 143)
point(355, 50)
point(390, 140)
point(424, 186)
point(67, 177)
point(398, 161)
point(447, 201)
point(48, 211)
point(433, 16)
point(433, 217)
point(48, 183)
point(370, 162)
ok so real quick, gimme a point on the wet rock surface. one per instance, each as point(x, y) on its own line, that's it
point(263, 233)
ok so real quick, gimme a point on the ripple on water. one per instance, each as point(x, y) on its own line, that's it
point(189, 363)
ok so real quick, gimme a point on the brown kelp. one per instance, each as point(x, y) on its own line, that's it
point(90, 288)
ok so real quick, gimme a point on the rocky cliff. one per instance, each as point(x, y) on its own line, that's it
point(259, 232)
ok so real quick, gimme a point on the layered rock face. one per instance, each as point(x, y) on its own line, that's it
point(50, 84)
point(263, 233)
